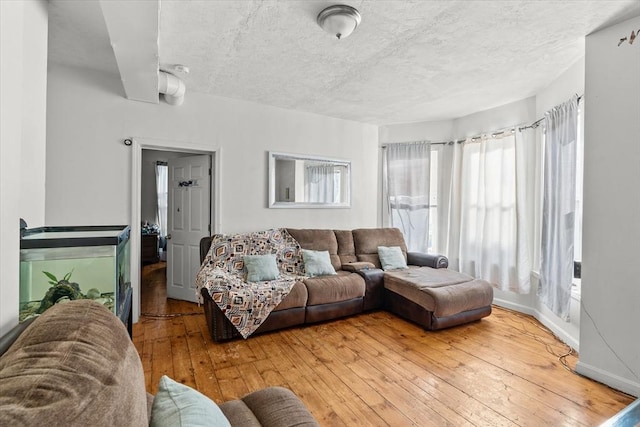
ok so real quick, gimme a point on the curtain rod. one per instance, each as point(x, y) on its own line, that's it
point(537, 122)
point(494, 134)
point(383, 146)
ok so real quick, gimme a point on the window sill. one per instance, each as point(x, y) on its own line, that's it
point(576, 289)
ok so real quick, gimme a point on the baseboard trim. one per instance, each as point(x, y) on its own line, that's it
point(558, 331)
point(604, 377)
point(514, 306)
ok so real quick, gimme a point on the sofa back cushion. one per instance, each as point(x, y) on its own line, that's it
point(346, 248)
point(74, 365)
point(318, 240)
point(367, 240)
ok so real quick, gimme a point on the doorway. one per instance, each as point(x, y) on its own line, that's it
point(145, 215)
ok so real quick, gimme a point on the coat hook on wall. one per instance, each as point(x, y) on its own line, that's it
point(631, 37)
point(128, 142)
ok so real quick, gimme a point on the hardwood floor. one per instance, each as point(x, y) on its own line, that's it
point(376, 369)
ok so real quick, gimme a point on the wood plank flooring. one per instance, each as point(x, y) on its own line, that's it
point(376, 369)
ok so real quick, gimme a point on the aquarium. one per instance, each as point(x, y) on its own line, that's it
point(59, 264)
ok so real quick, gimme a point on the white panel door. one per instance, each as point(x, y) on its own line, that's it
point(188, 220)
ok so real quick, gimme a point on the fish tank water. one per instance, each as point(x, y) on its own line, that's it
point(60, 264)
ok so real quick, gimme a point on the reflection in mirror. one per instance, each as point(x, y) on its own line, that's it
point(297, 181)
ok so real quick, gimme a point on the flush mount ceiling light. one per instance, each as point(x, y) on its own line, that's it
point(339, 20)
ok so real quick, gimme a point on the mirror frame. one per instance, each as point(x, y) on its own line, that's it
point(273, 204)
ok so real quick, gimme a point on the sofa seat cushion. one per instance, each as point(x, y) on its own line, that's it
point(297, 297)
point(74, 365)
point(272, 406)
point(441, 291)
point(329, 289)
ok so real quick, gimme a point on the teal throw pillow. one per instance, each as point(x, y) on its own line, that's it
point(317, 263)
point(177, 405)
point(391, 258)
point(261, 267)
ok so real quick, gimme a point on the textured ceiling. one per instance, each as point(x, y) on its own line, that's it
point(407, 61)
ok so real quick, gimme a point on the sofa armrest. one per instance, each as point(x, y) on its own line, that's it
point(271, 406)
point(427, 260)
point(205, 244)
point(357, 266)
point(371, 275)
point(11, 336)
point(374, 283)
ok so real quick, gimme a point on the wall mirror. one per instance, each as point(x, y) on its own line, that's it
point(298, 181)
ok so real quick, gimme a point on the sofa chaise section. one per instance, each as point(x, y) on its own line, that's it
point(427, 292)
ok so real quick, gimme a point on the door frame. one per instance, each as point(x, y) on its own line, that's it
point(138, 144)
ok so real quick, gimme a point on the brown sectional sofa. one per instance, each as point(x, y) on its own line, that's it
point(433, 299)
point(75, 365)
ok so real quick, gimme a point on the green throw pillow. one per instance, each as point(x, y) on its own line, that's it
point(261, 267)
point(317, 263)
point(391, 258)
point(177, 405)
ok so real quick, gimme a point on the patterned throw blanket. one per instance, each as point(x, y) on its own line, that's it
point(248, 304)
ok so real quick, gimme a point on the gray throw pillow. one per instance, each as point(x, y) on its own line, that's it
point(261, 267)
point(317, 263)
point(391, 258)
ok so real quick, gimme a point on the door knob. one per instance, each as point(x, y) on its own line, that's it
point(168, 236)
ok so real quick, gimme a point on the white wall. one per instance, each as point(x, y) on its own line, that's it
point(433, 131)
point(514, 113)
point(610, 341)
point(89, 167)
point(34, 112)
point(23, 74)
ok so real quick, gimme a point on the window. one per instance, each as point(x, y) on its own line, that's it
point(410, 172)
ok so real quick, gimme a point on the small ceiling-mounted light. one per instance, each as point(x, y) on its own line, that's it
point(339, 20)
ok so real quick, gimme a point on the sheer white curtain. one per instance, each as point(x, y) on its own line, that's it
point(558, 213)
point(162, 188)
point(487, 204)
point(406, 174)
point(322, 184)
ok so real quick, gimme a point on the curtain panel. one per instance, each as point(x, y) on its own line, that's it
point(488, 227)
point(406, 175)
point(162, 192)
point(558, 214)
point(322, 184)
